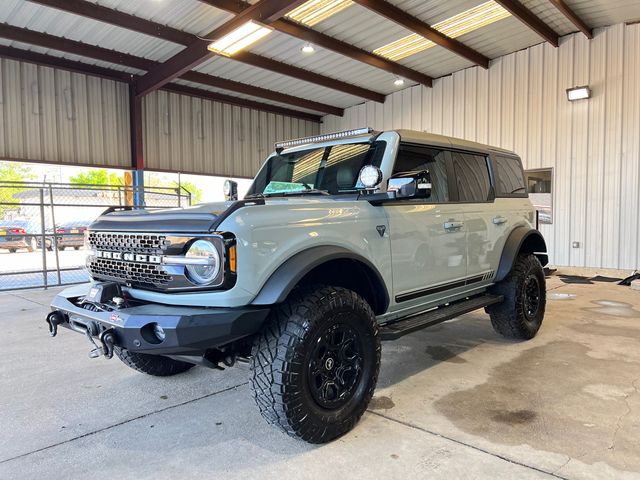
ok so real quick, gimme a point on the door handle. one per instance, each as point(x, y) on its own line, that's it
point(499, 220)
point(453, 226)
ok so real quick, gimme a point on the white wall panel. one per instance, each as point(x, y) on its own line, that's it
point(55, 116)
point(192, 135)
point(520, 103)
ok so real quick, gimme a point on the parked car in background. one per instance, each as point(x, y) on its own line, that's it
point(17, 235)
point(70, 234)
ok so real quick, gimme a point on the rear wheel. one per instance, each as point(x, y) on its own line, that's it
point(315, 364)
point(12, 250)
point(521, 313)
point(155, 365)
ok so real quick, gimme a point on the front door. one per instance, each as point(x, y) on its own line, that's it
point(428, 245)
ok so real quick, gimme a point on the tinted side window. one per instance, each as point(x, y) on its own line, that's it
point(510, 178)
point(415, 158)
point(472, 177)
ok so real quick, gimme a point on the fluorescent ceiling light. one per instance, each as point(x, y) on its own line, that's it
point(240, 38)
point(465, 22)
point(315, 11)
point(578, 93)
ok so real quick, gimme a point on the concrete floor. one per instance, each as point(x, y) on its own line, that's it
point(453, 401)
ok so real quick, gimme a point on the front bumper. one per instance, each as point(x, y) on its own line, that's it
point(188, 330)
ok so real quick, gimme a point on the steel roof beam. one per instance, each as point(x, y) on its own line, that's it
point(325, 41)
point(21, 55)
point(573, 17)
point(148, 27)
point(99, 53)
point(415, 25)
point(264, 11)
point(527, 17)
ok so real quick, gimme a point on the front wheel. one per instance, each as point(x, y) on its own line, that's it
point(155, 365)
point(315, 363)
point(521, 313)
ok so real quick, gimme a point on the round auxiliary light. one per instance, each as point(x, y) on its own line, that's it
point(370, 176)
point(158, 331)
point(207, 270)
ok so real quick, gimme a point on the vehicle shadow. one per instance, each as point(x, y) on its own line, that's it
point(447, 342)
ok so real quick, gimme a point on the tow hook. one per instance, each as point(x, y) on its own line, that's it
point(53, 320)
point(107, 338)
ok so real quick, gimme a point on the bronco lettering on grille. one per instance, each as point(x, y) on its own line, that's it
point(129, 257)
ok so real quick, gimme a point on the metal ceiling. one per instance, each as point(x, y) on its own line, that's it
point(355, 25)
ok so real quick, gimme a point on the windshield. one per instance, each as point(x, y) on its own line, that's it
point(332, 169)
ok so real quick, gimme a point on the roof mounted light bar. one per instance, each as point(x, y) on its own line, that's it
point(356, 132)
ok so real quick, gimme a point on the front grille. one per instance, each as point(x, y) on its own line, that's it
point(149, 244)
point(137, 274)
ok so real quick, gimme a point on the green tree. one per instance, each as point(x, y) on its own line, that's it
point(97, 177)
point(12, 172)
point(196, 193)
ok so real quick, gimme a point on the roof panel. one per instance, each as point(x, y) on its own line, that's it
point(600, 13)
point(248, 97)
point(550, 15)
point(284, 48)
point(232, 70)
point(191, 16)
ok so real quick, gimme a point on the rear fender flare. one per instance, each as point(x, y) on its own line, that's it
point(521, 240)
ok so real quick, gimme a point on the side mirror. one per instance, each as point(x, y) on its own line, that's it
point(415, 184)
point(230, 190)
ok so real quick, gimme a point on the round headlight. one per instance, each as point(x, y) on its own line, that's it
point(208, 262)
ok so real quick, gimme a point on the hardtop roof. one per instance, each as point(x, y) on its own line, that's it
point(416, 136)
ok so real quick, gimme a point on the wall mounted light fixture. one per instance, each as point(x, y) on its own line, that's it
point(578, 93)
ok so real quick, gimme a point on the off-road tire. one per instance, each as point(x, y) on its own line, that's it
point(12, 250)
point(282, 359)
point(512, 318)
point(155, 365)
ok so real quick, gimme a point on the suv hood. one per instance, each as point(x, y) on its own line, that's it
point(198, 219)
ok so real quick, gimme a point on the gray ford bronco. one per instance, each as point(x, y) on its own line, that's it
point(342, 241)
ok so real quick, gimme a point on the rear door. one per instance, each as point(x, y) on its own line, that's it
point(488, 219)
point(427, 235)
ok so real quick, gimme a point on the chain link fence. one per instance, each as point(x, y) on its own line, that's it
point(42, 227)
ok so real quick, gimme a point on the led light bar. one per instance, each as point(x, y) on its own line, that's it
point(323, 138)
point(578, 93)
point(315, 11)
point(240, 38)
point(465, 22)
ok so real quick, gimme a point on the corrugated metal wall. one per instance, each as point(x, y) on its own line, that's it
point(55, 116)
point(520, 104)
point(193, 135)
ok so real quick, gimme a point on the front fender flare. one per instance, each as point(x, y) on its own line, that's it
point(291, 272)
point(521, 239)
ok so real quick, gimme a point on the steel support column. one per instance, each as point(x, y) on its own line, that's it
point(137, 150)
